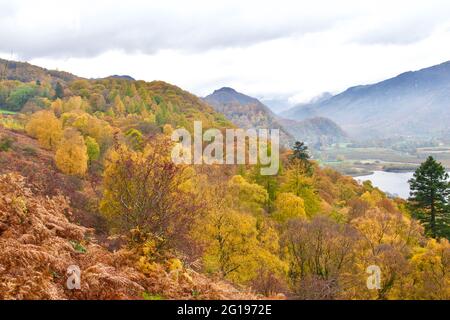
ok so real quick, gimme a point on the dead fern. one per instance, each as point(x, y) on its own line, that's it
point(37, 247)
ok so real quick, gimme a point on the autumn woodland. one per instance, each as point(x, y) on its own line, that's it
point(86, 179)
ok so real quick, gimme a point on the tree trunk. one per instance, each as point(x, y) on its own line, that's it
point(433, 216)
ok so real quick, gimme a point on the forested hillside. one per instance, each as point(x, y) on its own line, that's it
point(86, 179)
point(25, 72)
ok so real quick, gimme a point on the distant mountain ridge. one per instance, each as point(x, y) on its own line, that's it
point(228, 95)
point(121, 77)
point(245, 111)
point(248, 112)
point(411, 104)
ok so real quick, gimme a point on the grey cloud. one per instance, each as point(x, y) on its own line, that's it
point(416, 26)
point(396, 35)
point(149, 29)
point(94, 27)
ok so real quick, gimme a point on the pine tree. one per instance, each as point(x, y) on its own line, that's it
point(300, 151)
point(300, 157)
point(59, 91)
point(430, 191)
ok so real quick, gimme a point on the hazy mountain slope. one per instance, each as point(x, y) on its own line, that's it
point(277, 104)
point(243, 110)
point(248, 112)
point(315, 130)
point(413, 103)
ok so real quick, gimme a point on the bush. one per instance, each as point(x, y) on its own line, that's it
point(19, 97)
point(11, 124)
point(6, 143)
point(29, 151)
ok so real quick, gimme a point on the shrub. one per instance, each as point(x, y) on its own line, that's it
point(6, 143)
point(29, 151)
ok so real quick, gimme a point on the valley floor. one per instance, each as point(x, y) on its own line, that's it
point(364, 161)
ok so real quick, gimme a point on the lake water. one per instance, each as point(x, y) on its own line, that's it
point(395, 183)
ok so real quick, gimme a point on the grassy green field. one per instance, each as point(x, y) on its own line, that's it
point(7, 112)
point(361, 161)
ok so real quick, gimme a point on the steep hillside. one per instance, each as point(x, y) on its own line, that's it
point(48, 223)
point(40, 247)
point(159, 102)
point(413, 103)
point(27, 158)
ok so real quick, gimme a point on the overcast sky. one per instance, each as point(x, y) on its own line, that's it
point(269, 49)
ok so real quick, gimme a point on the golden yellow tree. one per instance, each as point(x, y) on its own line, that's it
point(372, 197)
point(57, 107)
point(91, 126)
point(431, 271)
point(71, 155)
point(288, 206)
point(240, 243)
point(301, 185)
point(245, 196)
point(75, 103)
point(119, 107)
point(386, 240)
point(238, 246)
point(44, 126)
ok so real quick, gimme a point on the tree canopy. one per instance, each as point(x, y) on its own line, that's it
point(430, 192)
